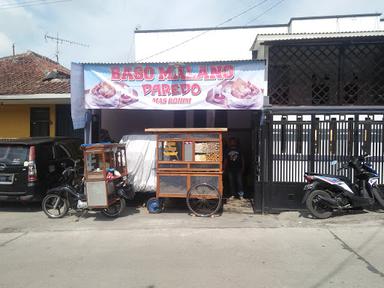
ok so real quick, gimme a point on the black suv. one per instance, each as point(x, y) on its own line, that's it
point(30, 166)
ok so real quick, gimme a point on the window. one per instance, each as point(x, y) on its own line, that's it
point(207, 151)
point(15, 155)
point(170, 151)
point(94, 165)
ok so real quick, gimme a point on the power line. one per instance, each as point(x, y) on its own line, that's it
point(17, 3)
point(21, 3)
point(5, 6)
point(204, 32)
point(242, 13)
point(266, 11)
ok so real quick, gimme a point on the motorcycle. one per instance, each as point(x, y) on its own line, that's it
point(325, 194)
point(71, 194)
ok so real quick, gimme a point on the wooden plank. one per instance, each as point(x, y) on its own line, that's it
point(167, 195)
point(190, 171)
point(101, 146)
point(184, 130)
point(189, 162)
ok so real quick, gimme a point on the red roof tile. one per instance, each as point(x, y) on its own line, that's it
point(27, 74)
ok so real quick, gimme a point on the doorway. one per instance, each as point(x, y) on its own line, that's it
point(39, 122)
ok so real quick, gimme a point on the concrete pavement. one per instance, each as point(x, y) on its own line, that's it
point(176, 250)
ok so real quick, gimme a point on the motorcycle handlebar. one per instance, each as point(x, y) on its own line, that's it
point(362, 157)
point(354, 161)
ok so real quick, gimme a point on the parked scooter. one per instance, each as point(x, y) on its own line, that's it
point(326, 193)
point(71, 194)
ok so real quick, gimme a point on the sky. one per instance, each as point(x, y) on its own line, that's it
point(107, 27)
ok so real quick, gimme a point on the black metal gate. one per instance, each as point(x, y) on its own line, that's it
point(292, 143)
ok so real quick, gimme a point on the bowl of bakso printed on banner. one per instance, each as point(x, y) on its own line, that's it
point(242, 94)
point(216, 97)
point(237, 94)
point(127, 95)
point(113, 95)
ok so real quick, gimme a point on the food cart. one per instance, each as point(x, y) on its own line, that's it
point(189, 165)
point(104, 165)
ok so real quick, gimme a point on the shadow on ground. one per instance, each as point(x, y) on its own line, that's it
point(20, 207)
point(339, 213)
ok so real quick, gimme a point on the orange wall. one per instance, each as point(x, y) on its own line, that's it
point(14, 120)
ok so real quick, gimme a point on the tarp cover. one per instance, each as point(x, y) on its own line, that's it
point(141, 161)
point(78, 111)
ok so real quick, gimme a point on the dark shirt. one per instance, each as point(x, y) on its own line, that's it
point(234, 159)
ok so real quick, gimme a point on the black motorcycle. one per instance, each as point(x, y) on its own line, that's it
point(325, 194)
point(71, 194)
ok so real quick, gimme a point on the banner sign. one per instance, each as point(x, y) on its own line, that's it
point(196, 86)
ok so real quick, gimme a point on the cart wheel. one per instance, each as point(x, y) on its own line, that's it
point(115, 209)
point(155, 205)
point(203, 200)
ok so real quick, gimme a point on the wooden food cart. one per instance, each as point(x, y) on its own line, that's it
point(100, 162)
point(189, 165)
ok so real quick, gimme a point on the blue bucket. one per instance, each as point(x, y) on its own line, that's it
point(154, 205)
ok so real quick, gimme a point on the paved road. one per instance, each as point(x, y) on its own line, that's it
point(176, 250)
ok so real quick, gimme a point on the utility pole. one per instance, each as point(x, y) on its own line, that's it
point(62, 41)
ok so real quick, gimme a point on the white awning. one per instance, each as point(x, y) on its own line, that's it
point(63, 98)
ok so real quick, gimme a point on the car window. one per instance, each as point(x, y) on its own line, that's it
point(13, 154)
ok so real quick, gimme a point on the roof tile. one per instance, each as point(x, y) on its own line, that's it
point(25, 74)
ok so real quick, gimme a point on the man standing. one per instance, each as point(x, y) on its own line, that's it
point(234, 166)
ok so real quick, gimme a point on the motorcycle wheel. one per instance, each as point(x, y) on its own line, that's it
point(115, 209)
point(55, 206)
point(379, 196)
point(315, 205)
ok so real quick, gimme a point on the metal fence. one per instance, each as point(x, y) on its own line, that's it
point(293, 143)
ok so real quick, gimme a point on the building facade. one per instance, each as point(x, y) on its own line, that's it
point(34, 97)
point(325, 97)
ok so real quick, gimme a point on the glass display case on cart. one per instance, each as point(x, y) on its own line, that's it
point(104, 164)
point(189, 165)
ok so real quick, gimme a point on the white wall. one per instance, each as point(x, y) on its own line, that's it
point(235, 43)
point(213, 45)
point(341, 24)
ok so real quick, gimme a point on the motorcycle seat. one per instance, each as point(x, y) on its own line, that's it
point(312, 173)
point(341, 177)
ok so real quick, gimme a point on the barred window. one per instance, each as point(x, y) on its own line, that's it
point(326, 74)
